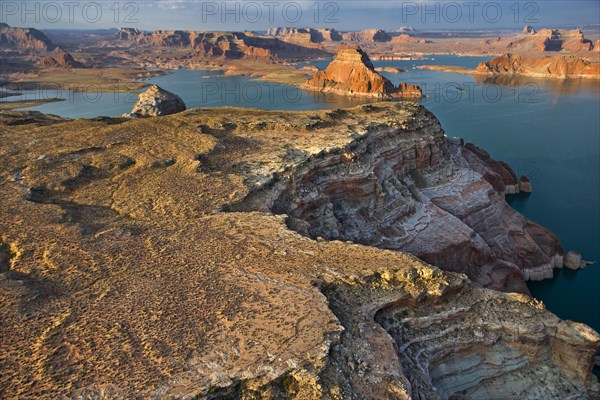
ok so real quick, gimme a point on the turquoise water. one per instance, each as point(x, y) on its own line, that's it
point(196, 88)
point(548, 130)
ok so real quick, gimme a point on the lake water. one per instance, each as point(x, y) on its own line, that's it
point(548, 130)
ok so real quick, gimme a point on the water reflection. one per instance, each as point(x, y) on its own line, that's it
point(556, 87)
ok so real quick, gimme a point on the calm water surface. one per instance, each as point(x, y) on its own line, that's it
point(548, 130)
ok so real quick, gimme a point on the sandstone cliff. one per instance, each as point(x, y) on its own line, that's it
point(551, 67)
point(367, 35)
point(23, 39)
point(230, 45)
point(156, 102)
point(351, 73)
point(306, 36)
point(406, 187)
point(551, 40)
point(124, 272)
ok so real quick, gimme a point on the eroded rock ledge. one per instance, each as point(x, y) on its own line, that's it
point(404, 186)
point(454, 341)
point(121, 276)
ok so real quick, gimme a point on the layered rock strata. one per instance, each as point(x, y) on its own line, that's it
point(123, 275)
point(453, 341)
point(229, 45)
point(405, 186)
point(351, 73)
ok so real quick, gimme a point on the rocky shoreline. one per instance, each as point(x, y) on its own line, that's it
point(559, 67)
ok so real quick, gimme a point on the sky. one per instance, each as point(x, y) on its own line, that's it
point(260, 15)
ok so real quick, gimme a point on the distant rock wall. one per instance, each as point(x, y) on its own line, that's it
point(230, 45)
point(551, 40)
point(24, 39)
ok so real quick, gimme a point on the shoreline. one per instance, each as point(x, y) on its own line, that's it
point(26, 104)
point(465, 71)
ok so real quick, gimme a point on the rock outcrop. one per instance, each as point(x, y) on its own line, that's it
point(305, 36)
point(550, 67)
point(351, 73)
point(308, 36)
point(24, 39)
point(574, 261)
point(129, 34)
point(61, 60)
point(403, 39)
point(449, 353)
point(367, 35)
point(551, 40)
point(156, 102)
point(406, 187)
point(124, 272)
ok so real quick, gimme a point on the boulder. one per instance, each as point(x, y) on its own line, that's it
point(525, 185)
point(156, 102)
point(573, 260)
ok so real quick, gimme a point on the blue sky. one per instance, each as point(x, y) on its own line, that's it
point(260, 15)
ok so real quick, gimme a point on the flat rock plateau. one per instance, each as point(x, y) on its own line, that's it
point(241, 253)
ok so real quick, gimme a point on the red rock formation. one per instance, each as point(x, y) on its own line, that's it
point(403, 38)
point(62, 60)
point(410, 188)
point(353, 74)
point(553, 67)
point(231, 45)
point(24, 39)
point(551, 40)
